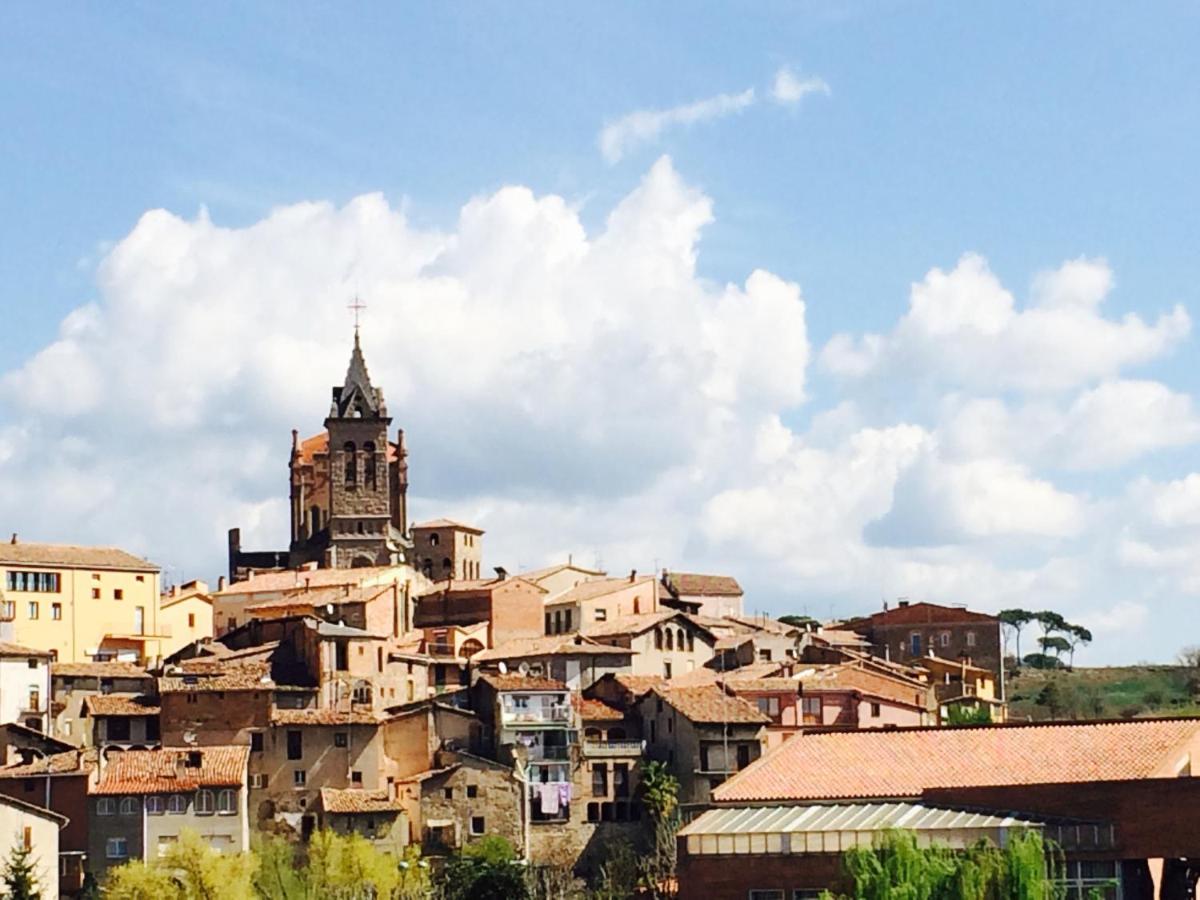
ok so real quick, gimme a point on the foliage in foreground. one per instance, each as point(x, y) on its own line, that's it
point(897, 868)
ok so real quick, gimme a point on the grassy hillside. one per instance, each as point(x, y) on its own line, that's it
point(1105, 693)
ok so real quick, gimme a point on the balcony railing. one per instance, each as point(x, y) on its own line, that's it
point(555, 753)
point(612, 748)
point(537, 715)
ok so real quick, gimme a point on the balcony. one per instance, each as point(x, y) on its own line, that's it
point(554, 753)
point(558, 714)
point(602, 749)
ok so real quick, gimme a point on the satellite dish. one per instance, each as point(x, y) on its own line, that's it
point(329, 608)
point(189, 737)
point(503, 667)
point(523, 668)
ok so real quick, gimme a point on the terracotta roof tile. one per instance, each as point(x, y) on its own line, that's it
point(634, 624)
point(598, 711)
point(348, 802)
point(324, 717)
point(337, 595)
point(906, 762)
point(66, 763)
point(711, 705)
point(120, 705)
point(19, 650)
point(254, 676)
point(512, 682)
point(923, 614)
point(590, 590)
point(638, 684)
point(551, 645)
point(165, 770)
point(72, 557)
point(536, 575)
point(692, 584)
point(98, 670)
point(291, 579)
point(764, 685)
point(447, 523)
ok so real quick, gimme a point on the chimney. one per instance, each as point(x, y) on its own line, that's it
point(902, 603)
point(14, 538)
point(633, 574)
point(501, 573)
point(221, 583)
point(174, 590)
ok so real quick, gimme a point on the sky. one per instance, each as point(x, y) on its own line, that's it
point(853, 301)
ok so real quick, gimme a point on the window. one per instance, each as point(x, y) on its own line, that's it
point(32, 609)
point(567, 619)
point(600, 780)
point(27, 838)
point(670, 639)
point(691, 641)
point(658, 639)
point(875, 710)
point(256, 742)
point(176, 804)
point(477, 825)
point(666, 669)
point(593, 812)
point(106, 806)
point(944, 639)
point(258, 780)
point(448, 793)
point(759, 894)
point(117, 728)
point(433, 539)
point(369, 464)
point(351, 469)
point(914, 644)
point(130, 806)
point(472, 791)
point(95, 593)
point(764, 655)
point(601, 614)
point(810, 707)
point(34, 582)
point(155, 805)
point(118, 594)
point(227, 802)
point(8, 609)
point(295, 747)
point(768, 706)
point(549, 622)
point(56, 611)
point(204, 803)
point(970, 639)
point(116, 848)
point(95, 576)
point(356, 778)
point(621, 780)
point(191, 620)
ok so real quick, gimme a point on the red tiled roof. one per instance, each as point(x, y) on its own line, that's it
point(692, 584)
point(638, 684)
point(923, 614)
point(906, 762)
point(348, 802)
point(711, 705)
point(252, 676)
point(120, 705)
point(97, 670)
point(764, 685)
point(165, 771)
point(337, 595)
point(447, 523)
point(851, 677)
point(68, 762)
point(323, 717)
point(600, 587)
point(637, 623)
point(598, 710)
point(512, 682)
point(69, 556)
point(551, 645)
point(291, 579)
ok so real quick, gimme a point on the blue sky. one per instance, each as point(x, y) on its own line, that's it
point(1031, 135)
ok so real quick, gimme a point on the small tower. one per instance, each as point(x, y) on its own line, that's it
point(362, 530)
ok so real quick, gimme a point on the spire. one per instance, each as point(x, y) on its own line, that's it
point(356, 398)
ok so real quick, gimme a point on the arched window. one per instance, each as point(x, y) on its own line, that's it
point(427, 568)
point(691, 638)
point(658, 639)
point(361, 527)
point(205, 801)
point(446, 564)
point(369, 464)
point(130, 806)
point(433, 539)
point(177, 804)
point(351, 464)
point(680, 640)
point(155, 805)
point(592, 734)
point(226, 802)
point(106, 806)
point(670, 639)
point(314, 520)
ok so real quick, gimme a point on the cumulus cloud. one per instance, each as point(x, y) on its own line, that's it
point(585, 391)
point(789, 88)
point(963, 329)
point(644, 126)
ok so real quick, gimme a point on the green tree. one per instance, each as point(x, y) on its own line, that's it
point(1076, 636)
point(660, 795)
point(189, 870)
point(1015, 620)
point(660, 790)
point(19, 877)
point(1050, 696)
point(1054, 644)
point(138, 881)
point(962, 716)
point(1050, 622)
point(485, 870)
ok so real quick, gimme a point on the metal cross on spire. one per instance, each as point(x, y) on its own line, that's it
point(357, 306)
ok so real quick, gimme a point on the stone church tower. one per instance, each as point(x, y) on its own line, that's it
point(350, 484)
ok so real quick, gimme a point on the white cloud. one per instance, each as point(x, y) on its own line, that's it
point(963, 329)
point(644, 126)
point(790, 88)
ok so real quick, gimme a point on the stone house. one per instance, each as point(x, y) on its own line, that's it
point(374, 814)
point(467, 797)
point(511, 607)
point(854, 695)
point(444, 549)
point(666, 643)
point(703, 734)
point(142, 800)
point(25, 686)
point(716, 596)
point(959, 683)
point(124, 721)
point(72, 683)
point(779, 699)
point(37, 829)
point(909, 631)
point(54, 776)
point(597, 601)
point(612, 757)
point(574, 659)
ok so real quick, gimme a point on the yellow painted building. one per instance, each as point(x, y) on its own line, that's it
point(80, 603)
point(185, 614)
